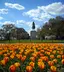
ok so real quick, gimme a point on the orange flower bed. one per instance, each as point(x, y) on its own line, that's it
point(31, 57)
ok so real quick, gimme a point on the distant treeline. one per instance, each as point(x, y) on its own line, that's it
point(53, 29)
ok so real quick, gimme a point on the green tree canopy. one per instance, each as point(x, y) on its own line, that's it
point(13, 32)
point(55, 26)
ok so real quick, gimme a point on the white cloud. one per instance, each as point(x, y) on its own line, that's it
point(24, 22)
point(1, 18)
point(16, 6)
point(45, 12)
point(37, 14)
point(3, 11)
point(7, 22)
point(54, 8)
point(32, 13)
point(29, 24)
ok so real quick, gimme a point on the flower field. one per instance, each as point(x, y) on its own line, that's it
point(32, 57)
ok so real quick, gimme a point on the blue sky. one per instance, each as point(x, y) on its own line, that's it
point(23, 12)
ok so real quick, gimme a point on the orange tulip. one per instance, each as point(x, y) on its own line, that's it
point(51, 56)
point(62, 61)
point(39, 60)
point(12, 56)
point(54, 52)
point(32, 59)
point(48, 53)
point(6, 59)
point(34, 55)
point(23, 58)
point(8, 54)
point(55, 60)
point(51, 63)
point(19, 56)
point(31, 64)
point(62, 56)
point(17, 64)
point(53, 69)
point(58, 56)
point(29, 69)
point(45, 58)
point(1, 52)
point(5, 55)
point(12, 68)
point(41, 65)
point(3, 62)
point(41, 55)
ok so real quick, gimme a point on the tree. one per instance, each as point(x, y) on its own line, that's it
point(33, 25)
point(55, 26)
point(8, 28)
point(12, 32)
point(2, 34)
point(40, 34)
point(22, 34)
